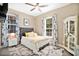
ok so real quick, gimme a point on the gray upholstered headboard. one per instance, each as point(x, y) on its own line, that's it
point(23, 30)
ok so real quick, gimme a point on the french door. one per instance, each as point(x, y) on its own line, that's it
point(70, 33)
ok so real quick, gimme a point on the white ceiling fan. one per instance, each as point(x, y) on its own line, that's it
point(37, 5)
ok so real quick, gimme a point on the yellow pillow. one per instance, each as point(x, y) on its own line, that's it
point(30, 34)
point(26, 34)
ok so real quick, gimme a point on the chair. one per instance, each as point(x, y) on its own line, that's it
point(12, 39)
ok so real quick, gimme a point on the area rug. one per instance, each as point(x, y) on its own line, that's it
point(21, 50)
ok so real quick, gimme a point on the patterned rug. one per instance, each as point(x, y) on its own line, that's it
point(21, 50)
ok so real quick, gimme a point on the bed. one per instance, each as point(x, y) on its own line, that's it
point(35, 43)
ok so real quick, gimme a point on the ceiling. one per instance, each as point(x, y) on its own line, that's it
point(26, 8)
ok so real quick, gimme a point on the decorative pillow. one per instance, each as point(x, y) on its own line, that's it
point(30, 34)
point(12, 36)
point(26, 34)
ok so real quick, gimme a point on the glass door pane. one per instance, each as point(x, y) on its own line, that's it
point(72, 27)
point(72, 43)
point(72, 35)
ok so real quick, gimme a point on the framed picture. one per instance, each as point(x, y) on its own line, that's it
point(26, 21)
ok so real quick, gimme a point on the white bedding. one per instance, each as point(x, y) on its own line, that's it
point(37, 38)
point(34, 43)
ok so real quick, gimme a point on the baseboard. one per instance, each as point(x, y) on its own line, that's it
point(60, 45)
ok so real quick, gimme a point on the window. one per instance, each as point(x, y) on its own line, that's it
point(49, 26)
point(11, 24)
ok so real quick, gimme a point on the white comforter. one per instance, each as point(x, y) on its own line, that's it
point(37, 38)
point(34, 43)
